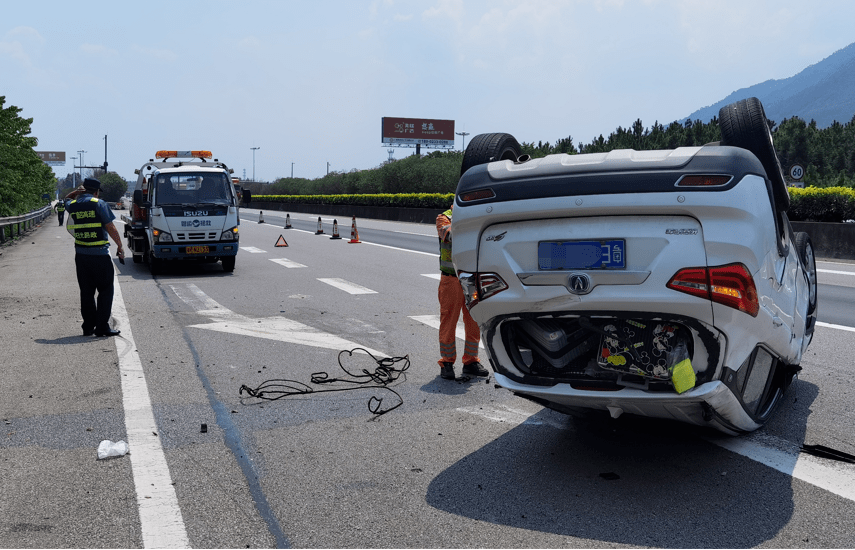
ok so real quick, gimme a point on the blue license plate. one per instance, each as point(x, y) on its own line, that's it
point(581, 254)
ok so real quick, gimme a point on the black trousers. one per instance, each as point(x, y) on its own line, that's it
point(61, 216)
point(95, 273)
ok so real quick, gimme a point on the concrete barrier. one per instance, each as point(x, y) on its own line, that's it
point(830, 240)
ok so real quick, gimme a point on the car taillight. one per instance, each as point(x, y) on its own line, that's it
point(730, 285)
point(480, 286)
point(697, 180)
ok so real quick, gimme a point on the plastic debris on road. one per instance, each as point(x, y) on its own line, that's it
point(109, 449)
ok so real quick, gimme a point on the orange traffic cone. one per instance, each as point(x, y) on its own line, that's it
point(260, 216)
point(287, 221)
point(354, 233)
point(320, 230)
point(335, 234)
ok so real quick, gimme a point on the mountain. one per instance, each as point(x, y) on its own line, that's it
point(823, 92)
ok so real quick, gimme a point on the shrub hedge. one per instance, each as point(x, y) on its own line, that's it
point(829, 204)
point(822, 204)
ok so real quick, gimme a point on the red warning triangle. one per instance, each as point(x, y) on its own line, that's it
point(281, 241)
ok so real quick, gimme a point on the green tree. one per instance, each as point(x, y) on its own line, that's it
point(113, 187)
point(24, 178)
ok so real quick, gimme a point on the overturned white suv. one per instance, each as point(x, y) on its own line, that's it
point(660, 283)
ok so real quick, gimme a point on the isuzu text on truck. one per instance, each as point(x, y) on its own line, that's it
point(183, 209)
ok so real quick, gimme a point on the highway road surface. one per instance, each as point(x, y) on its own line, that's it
point(451, 464)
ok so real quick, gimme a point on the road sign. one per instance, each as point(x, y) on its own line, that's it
point(797, 172)
point(52, 158)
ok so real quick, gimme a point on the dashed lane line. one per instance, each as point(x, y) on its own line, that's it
point(347, 286)
point(286, 262)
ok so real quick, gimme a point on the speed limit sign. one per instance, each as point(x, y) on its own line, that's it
point(797, 172)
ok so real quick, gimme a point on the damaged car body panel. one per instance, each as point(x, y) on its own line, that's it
point(661, 283)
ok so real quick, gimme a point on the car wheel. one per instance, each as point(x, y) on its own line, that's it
point(804, 247)
point(486, 148)
point(229, 263)
point(743, 124)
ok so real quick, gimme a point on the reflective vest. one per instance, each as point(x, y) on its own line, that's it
point(84, 223)
point(445, 264)
point(60, 206)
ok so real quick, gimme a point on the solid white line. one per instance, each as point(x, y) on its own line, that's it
point(825, 474)
point(838, 327)
point(286, 262)
point(402, 249)
point(347, 286)
point(835, 272)
point(160, 516)
point(433, 322)
point(828, 475)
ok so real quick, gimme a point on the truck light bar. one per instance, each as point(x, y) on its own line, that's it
point(184, 154)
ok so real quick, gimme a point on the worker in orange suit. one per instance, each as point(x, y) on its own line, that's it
point(451, 302)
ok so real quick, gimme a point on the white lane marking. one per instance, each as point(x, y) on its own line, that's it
point(402, 249)
point(286, 262)
point(433, 321)
point(431, 275)
point(280, 329)
point(834, 477)
point(160, 516)
point(837, 478)
point(347, 286)
point(503, 413)
point(253, 250)
point(838, 327)
point(835, 272)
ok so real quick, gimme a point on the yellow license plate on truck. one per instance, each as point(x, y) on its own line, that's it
point(198, 249)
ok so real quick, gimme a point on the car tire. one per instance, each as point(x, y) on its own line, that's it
point(804, 247)
point(229, 263)
point(743, 124)
point(137, 258)
point(486, 148)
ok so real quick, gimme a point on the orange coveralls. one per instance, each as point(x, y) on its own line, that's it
point(451, 302)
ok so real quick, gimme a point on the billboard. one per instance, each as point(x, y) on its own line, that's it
point(52, 158)
point(438, 134)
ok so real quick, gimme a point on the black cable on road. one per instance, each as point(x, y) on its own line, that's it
point(384, 374)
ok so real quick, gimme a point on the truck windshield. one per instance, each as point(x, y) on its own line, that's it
point(190, 188)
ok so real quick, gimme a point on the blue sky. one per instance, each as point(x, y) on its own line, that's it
point(308, 82)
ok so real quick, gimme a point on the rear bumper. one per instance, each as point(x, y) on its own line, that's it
point(711, 404)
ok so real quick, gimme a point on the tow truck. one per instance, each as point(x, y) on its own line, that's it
point(184, 208)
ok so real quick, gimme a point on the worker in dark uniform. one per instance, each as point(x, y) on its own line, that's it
point(60, 210)
point(451, 304)
point(90, 221)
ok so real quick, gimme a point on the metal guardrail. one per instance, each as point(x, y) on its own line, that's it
point(18, 224)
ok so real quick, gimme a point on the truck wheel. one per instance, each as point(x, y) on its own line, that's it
point(155, 265)
point(743, 124)
point(486, 148)
point(229, 263)
point(137, 258)
point(804, 247)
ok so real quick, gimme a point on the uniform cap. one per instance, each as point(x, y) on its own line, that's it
point(92, 184)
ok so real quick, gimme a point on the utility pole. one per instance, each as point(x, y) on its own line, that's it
point(81, 164)
point(254, 149)
point(464, 134)
point(292, 170)
point(328, 168)
point(105, 153)
point(74, 175)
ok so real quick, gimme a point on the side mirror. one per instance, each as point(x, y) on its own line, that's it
point(138, 196)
